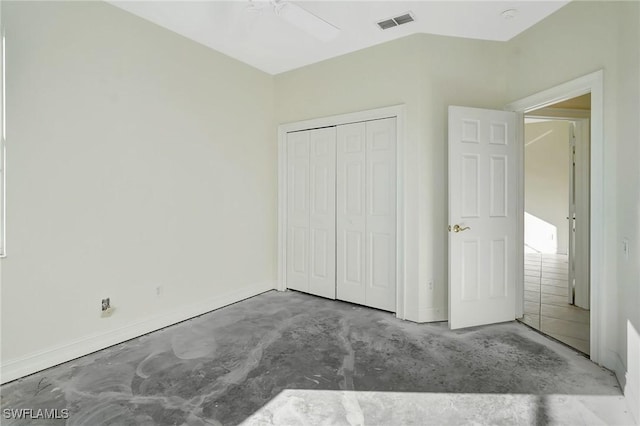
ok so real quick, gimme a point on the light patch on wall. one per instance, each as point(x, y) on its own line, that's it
point(547, 185)
point(539, 236)
point(538, 138)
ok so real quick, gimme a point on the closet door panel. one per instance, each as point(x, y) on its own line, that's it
point(380, 237)
point(341, 231)
point(351, 212)
point(298, 238)
point(322, 212)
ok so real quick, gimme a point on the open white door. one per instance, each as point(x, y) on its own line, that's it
point(582, 223)
point(571, 249)
point(482, 216)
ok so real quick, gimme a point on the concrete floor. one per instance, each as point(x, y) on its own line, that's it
point(291, 358)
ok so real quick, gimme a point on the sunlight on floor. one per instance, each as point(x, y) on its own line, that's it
point(300, 406)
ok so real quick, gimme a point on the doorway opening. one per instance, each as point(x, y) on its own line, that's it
point(556, 221)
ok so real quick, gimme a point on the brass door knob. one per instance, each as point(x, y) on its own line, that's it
point(458, 228)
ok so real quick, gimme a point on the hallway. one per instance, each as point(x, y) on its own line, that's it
point(545, 301)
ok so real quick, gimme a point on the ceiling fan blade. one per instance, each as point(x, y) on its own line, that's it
point(306, 21)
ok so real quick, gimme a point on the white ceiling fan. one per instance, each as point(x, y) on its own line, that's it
point(298, 17)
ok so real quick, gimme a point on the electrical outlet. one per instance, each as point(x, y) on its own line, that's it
point(106, 308)
point(431, 285)
point(159, 290)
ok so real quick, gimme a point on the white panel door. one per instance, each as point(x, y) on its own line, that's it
point(482, 216)
point(351, 213)
point(322, 212)
point(311, 247)
point(380, 197)
point(298, 211)
point(582, 214)
point(366, 213)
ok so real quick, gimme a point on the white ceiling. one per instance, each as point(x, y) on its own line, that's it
point(269, 43)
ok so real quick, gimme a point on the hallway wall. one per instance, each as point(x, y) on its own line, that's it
point(547, 168)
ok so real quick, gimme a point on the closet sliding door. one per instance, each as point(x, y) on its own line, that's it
point(366, 213)
point(311, 197)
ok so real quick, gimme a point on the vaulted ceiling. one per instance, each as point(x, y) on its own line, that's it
point(255, 33)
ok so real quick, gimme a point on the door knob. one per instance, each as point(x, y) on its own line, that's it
point(458, 228)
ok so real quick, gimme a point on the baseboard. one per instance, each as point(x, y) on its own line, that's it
point(613, 362)
point(632, 375)
point(29, 364)
point(433, 314)
point(628, 385)
point(632, 397)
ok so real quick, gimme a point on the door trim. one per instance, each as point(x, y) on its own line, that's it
point(397, 111)
point(591, 83)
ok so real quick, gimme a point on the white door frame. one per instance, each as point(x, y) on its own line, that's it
point(398, 111)
point(591, 83)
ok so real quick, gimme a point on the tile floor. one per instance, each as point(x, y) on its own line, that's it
point(546, 306)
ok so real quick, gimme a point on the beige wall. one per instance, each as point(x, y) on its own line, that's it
point(546, 179)
point(137, 159)
point(426, 73)
point(580, 38)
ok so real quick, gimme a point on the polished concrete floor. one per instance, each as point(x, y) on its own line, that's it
point(290, 358)
point(546, 305)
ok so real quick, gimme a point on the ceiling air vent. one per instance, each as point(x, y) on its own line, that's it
point(394, 22)
point(389, 23)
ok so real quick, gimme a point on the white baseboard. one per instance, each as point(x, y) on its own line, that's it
point(29, 364)
point(632, 396)
point(629, 386)
point(632, 375)
point(433, 314)
point(613, 362)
